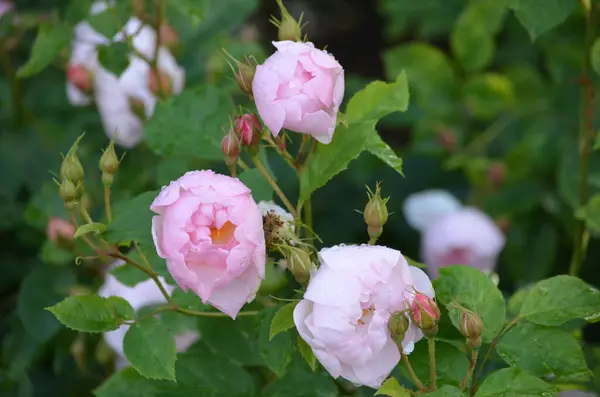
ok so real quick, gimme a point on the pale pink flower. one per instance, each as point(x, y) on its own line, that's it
point(464, 237)
point(58, 227)
point(423, 208)
point(210, 231)
point(346, 308)
point(142, 294)
point(299, 88)
point(5, 6)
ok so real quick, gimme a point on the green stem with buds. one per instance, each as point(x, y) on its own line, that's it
point(432, 372)
point(415, 379)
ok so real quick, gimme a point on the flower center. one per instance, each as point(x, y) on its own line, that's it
point(223, 235)
point(456, 256)
point(366, 315)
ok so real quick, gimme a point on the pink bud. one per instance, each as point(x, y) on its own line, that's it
point(425, 314)
point(248, 128)
point(230, 146)
point(168, 37)
point(80, 77)
point(166, 86)
point(59, 228)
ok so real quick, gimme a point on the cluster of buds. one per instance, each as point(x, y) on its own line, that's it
point(375, 213)
point(109, 164)
point(298, 262)
point(471, 327)
point(160, 85)
point(71, 178)
point(288, 27)
point(81, 77)
point(425, 314)
point(246, 131)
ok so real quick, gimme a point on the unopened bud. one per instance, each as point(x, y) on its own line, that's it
point(230, 146)
point(398, 325)
point(109, 162)
point(248, 129)
point(447, 140)
point(169, 37)
point(71, 168)
point(375, 213)
point(425, 313)
point(243, 73)
point(496, 174)
point(161, 86)
point(289, 28)
point(471, 328)
point(80, 77)
point(299, 263)
point(69, 193)
point(137, 107)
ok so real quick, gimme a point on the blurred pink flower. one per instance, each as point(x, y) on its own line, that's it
point(5, 6)
point(346, 308)
point(299, 88)
point(58, 227)
point(210, 231)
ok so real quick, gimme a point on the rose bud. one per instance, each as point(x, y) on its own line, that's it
point(425, 314)
point(169, 37)
point(471, 328)
point(249, 129)
point(166, 85)
point(80, 77)
point(230, 146)
point(375, 213)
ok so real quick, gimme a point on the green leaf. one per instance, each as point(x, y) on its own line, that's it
point(283, 320)
point(190, 124)
point(469, 287)
point(151, 350)
point(93, 313)
point(451, 364)
point(114, 57)
point(307, 353)
point(276, 352)
point(50, 41)
point(329, 160)
point(110, 21)
point(194, 10)
point(261, 189)
point(554, 301)
point(539, 16)
point(596, 64)
point(132, 220)
point(300, 382)
point(590, 213)
point(487, 95)
point(54, 255)
point(445, 391)
point(88, 228)
point(543, 351)
point(392, 388)
point(129, 275)
point(189, 300)
point(377, 147)
point(378, 99)
point(513, 382)
point(171, 168)
point(234, 340)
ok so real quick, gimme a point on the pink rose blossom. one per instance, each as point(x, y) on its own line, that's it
point(58, 227)
point(299, 88)
point(210, 231)
point(463, 237)
point(345, 311)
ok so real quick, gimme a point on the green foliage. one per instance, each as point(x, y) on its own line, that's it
point(236, 341)
point(276, 352)
point(539, 16)
point(94, 227)
point(150, 348)
point(110, 21)
point(451, 364)
point(307, 353)
point(282, 320)
point(50, 41)
point(392, 388)
point(590, 213)
point(93, 313)
point(446, 391)
point(261, 189)
point(513, 382)
point(133, 220)
point(114, 57)
point(470, 288)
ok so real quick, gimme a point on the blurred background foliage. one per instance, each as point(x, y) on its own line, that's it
point(493, 118)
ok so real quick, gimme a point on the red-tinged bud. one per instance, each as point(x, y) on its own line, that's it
point(497, 174)
point(248, 129)
point(137, 107)
point(425, 313)
point(375, 213)
point(230, 146)
point(80, 77)
point(447, 140)
point(169, 37)
point(471, 328)
point(166, 85)
point(398, 326)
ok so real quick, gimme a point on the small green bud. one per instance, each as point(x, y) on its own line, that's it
point(398, 325)
point(109, 163)
point(107, 179)
point(289, 28)
point(471, 327)
point(243, 72)
point(299, 263)
point(68, 192)
point(71, 168)
point(375, 213)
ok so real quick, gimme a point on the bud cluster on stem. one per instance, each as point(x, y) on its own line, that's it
point(71, 178)
point(375, 213)
point(109, 164)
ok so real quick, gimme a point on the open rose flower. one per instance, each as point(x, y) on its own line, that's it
point(140, 295)
point(299, 88)
point(346, 308)
point(464, 237)
point(210, 231)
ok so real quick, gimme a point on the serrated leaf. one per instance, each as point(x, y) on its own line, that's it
point(469, 287)
point(190, 124)
point(132, 220)
point(445, 391)
point(194, 10)
point(189, 300)
point(282, 320)
point(307, 353)
point(150, 348)
point(554, 301)
point(276, 352)
point(451, 364)
point(234, 340)
point(88, 228)
point(513, 382)
point(377, 147)
point(50, 41)
point(260, 188)
point(114, 57)
point(539, 16)
point(93, 313)
point(392, 388)
point(543, 351)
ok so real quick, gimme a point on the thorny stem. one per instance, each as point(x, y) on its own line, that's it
point(107, 203)
point(280, 194)
point(489, 351)
point(586, 136)
point(411, 373)
point(432, 373)
point(465, 382)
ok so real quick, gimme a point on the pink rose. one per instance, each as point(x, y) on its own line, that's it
point(463, 237)
point(346, 308)
point(210, 231)
point(299, 88)
point(59, 228)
